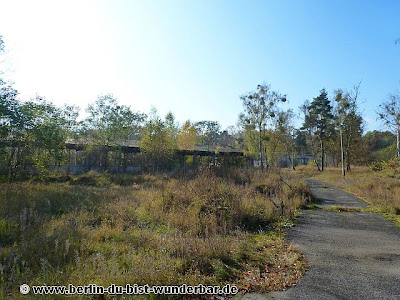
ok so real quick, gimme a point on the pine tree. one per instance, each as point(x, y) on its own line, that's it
point(320, 119)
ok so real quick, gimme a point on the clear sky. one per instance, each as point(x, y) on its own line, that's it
point(195, 58)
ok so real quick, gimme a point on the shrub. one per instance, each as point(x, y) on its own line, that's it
point(376, 166)
point(392, 164)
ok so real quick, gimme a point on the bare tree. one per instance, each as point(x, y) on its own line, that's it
point(389, 113)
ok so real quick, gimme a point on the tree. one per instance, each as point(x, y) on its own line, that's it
point(349, 122)
point(300, 140)
point(35, 138)
point(318, 121)
point(309, 128)
point(111, 124)
point(69, 116)
point(32, 133)
point(208, 133)
point(1, 48)
point(378, 140)
point(260, 109)
point(389, 113)
point(10, 121)
point(186, 139)
point(157, 144)
point(171, 126)
point(1, 44)
point(379, 146)
point(7, 99)
point(8, 108)
point(285, 134)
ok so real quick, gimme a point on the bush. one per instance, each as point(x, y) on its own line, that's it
point(392, 164)
point(376, 166)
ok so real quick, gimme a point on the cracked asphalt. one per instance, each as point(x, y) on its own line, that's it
point(352, 255)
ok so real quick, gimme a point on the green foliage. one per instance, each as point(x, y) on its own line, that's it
point(109, 122)
point(91, 179)
point(380, 146)
point(34, 137)
point(286, 131)
point(208, 133)
point(392, 164)
point(158, 145)
point(318, 121)
point(260, 111)
point(186, 139)
point(320, 115)
point(378, 140)
point(377, 166)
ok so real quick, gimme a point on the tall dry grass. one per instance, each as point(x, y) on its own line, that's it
point(153, 230)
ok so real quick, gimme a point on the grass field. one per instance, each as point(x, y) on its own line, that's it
point(379, 187)
point(105, 229)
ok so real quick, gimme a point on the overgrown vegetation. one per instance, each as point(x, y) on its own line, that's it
point(104, 229)
point(193, 218)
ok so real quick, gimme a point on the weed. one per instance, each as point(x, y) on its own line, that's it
point(104, 229)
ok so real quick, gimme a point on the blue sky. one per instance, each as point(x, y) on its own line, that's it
point(195, 58)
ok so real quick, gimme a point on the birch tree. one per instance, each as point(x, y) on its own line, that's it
point(260, 110)
point(349, 122)
point(286, 132)
point(389, 113)
point(186, 139)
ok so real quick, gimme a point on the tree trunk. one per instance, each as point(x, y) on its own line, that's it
point(294, 160)
point(398, 142)
point(291, 162)
point(342, 153)
point(348, 167)
point(313, 150)
point(267, 165)
point(322, 156)
point(69, 160)
point(124, 163)
point(10, 164)
point(120, 169)
point(315, 160)
point(105, 161)
point(195, 162)
point(260, 148)
point(318, 167)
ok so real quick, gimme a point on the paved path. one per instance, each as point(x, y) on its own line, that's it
point(352, 255)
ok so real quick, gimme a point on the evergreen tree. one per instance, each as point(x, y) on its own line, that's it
point(319, 121)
